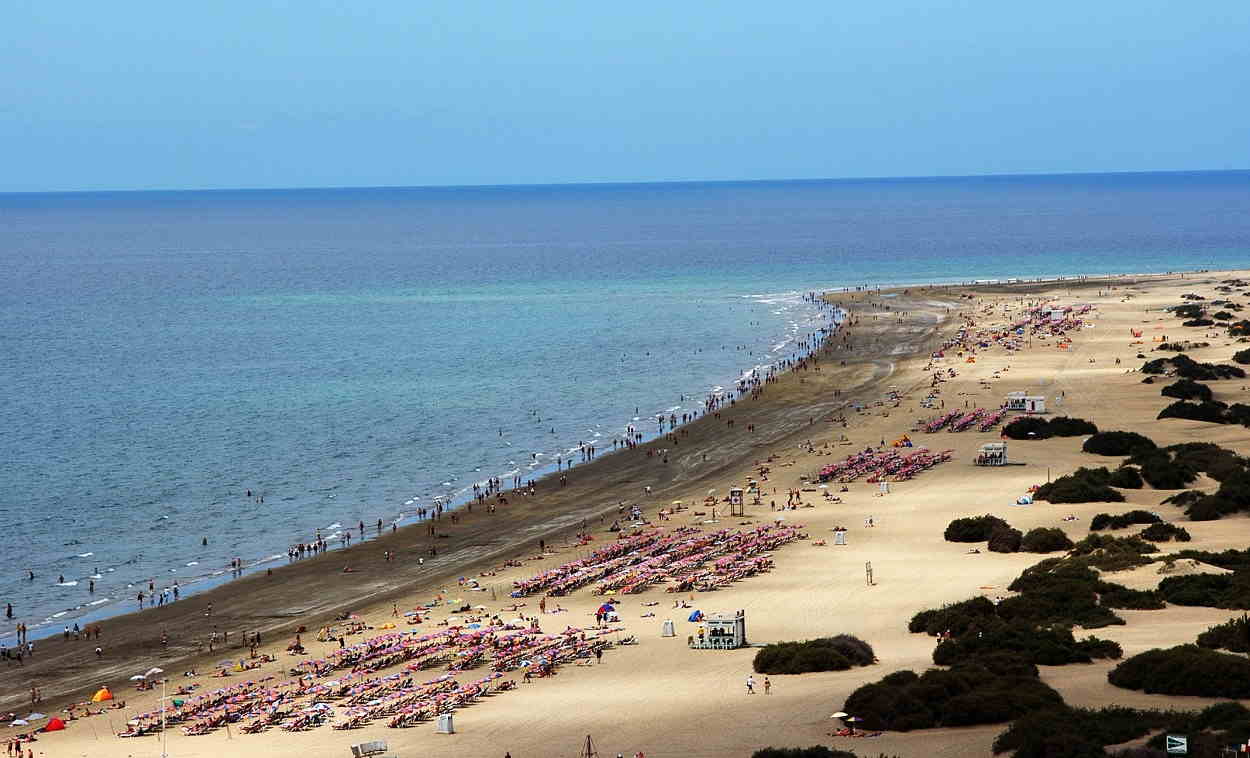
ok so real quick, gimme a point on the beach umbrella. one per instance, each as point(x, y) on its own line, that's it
point(101, 695)
point(55, 725)
point(853, 718)
point(153, 670)
point(36, 716)
point(19, 722)
point(840, 715)
point(138, 678)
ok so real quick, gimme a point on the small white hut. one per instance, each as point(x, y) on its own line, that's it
point(992, 454)
point(722, 631)
point(1022, 403)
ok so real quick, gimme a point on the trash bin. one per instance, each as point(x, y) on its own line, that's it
point(445, 725)
point(666, 629)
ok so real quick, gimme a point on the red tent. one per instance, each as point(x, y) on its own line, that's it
point(55, 725)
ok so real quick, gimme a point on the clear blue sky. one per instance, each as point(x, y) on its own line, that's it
point(226, 93)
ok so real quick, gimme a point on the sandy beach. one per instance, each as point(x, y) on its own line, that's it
point(660, 697)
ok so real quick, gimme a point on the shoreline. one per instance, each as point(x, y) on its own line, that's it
point(820, 315)
point(261, 603)
point(477, 541)
point(99, 610)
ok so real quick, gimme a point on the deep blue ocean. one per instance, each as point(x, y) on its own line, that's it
point(352, 354)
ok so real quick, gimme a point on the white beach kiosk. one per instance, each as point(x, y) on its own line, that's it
point(1022, 403)
point(722, 631)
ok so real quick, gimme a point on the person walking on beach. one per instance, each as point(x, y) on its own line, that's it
point(750, 685)
point(768, 686)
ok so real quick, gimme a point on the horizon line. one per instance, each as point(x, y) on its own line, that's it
point(641, 183)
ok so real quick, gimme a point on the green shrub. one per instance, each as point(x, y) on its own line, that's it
point(1085, 485)
point(1233, 635)
point(1164, 533)
point(1045, 540)
point(973, 529)
point(1239, 329)
point(1063, 426)
point(1109, 553)
point(1185, 670)
point(1187, 368)
point(1233, 560)
point(1053, 646)
point(1232, 496)
point(1187, 389)
point(1005, 539)
point(1037, 428)
point(956, 618)
point(1026, 427)
point(823, 654)
point(1242, 356)
point(1230, 591)
point(1066, 732)
point(1188, 497)
point(1117, 596)
point(1210, 411)
point(1117, 443)
point(1126, 477)
point(1057, 592)
point(1107, 521)
point(964, 695)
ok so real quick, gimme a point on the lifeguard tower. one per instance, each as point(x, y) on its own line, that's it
point(722, 631)
point(735, 501)
point(992, 454)
point(1020, 402)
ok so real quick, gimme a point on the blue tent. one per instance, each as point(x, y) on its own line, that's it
point(695, 616)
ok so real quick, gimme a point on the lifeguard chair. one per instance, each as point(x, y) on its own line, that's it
point(735, 501)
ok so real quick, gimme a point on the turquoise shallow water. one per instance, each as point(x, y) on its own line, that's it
point(353, 353)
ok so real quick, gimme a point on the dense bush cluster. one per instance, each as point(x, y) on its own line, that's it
point(1067, 732)
point(1242, 356)
point(823, 654)
point(988, 691)
point(1230, 591)
point(1056, 592)
point(1036, 428)
point(1232, 496)
point(1185, 670)
point(1164, 533)
point(1045, 540)
point(1118, 443)
point(1045, 646)
point(1187, 368)
point(1175, 466)
point(1005, 540)
point(1239, 329)
point(1085, 485)
point(1233, 635)
point(1209, 411)
point(956, 618)
point(1123, 520)
point(974, 528)
point(1116, 596)
point(1187, 389)
point(1233, 560)
point(1109, 553)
